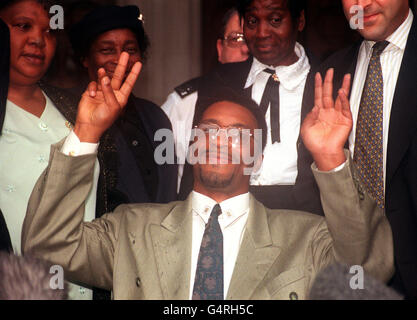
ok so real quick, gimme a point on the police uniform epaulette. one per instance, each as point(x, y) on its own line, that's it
point(187, 88)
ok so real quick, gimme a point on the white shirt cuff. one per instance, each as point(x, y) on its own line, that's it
point(337, 169)
point(74, 147)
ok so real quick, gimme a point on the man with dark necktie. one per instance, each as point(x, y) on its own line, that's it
point(274, 76)
point(383, 101)
point(221, 243)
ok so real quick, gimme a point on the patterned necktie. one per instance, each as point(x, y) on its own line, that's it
point(208, 284)
point(271, 96)
point(368, 155)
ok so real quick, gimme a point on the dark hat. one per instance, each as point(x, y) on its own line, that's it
point(106, 18)
point(4, 69)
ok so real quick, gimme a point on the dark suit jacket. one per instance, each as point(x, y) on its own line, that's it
point(140, 179)
point(401, 171)
point(304, 195)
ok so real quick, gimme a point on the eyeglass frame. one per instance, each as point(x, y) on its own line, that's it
point(214, 130)
point(240, 39)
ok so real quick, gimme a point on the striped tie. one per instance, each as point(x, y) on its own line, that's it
point(208, 284)
point(368, 154)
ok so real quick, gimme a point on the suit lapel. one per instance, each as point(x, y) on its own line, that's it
point(256, 255)
point(404, 107)
point(172, 247)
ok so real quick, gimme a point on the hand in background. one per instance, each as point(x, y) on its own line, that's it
point(102, 103)
point(327, 127)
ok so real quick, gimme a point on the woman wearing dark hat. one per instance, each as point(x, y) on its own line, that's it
point(98, 39)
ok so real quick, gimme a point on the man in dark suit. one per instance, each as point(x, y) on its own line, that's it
point(274, 76)
point(384, 88)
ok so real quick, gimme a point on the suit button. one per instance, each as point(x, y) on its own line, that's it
point(138, 283)
point(293, 296)
point(43, 126)
point(135, 143)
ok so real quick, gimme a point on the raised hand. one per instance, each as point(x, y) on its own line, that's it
point(102, 103)
point(327, 127)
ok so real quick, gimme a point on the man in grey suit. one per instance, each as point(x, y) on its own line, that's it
point(220, 243)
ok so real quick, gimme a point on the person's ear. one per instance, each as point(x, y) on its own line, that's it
point(219, 46)
point(301, 21)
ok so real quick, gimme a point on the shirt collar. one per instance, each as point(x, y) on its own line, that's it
point(232, 208)
point(398, 39)
point(290, 76)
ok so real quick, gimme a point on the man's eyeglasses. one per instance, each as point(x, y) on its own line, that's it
point(233, 134)
point(234, 39)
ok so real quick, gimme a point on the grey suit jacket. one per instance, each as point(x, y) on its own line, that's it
point(143, 251)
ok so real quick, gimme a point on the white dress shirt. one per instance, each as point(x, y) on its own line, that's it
point(279, 165)
point(391, 59)
point(232, 222)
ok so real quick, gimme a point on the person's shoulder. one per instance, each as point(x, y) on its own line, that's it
point(57, 93)
point(232, 75)
point(292, 220)
point(344, 56)
point(147, 213)
point(63, 100)
point(188, 87)
point(290, 228)
point(293, 214)
point(144, 103)
point(313, 60)
point(233, 70)
point(151, 113)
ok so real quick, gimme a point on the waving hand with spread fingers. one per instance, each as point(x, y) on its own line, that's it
point(327, 127)
point(102, 102)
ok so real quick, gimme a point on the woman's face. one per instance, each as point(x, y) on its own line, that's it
point(106, 49)
point(32, 45)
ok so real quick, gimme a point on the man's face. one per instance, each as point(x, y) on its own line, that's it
point(106, 49)
point(230, 50)
point(271, 32)
point(32, 45)
point(381, 17)
point(225, 175)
